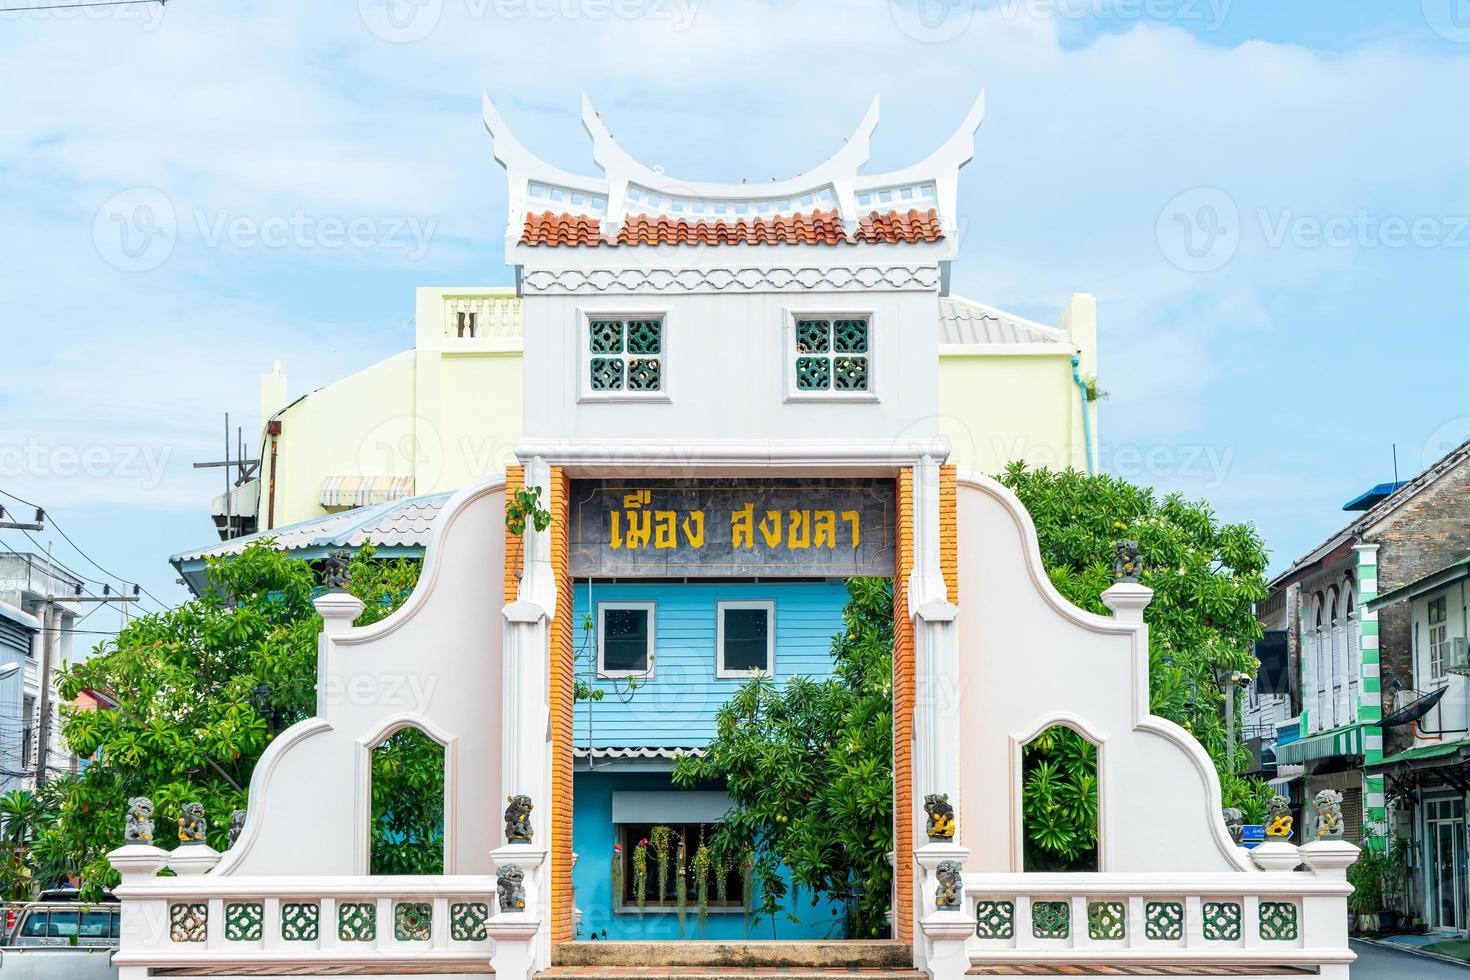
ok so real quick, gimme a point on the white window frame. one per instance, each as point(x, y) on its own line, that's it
point(583, 360)
point(652, 610)
point(1438, 634)
point(769, 605)
point(789, 354)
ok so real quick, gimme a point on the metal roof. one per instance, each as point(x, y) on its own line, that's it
point(395, 528)
point(964, 321)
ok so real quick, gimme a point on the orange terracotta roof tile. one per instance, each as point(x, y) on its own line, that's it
point(815, 228)
point(549, 228)
point(915, 226)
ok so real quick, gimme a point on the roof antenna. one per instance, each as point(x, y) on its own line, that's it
point(1395, 463)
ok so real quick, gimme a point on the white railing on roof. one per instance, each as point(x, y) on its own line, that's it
point(490, 317)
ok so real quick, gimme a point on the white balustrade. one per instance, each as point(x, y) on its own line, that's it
point(1291, 919)
point(215, 921)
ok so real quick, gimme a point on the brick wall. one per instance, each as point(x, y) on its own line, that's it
point(903, 714)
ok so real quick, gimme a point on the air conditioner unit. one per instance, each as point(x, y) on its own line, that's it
point(1459, 655)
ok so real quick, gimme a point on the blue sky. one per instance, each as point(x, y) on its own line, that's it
point(1269, 200)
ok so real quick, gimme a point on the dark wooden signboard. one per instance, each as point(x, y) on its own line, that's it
point(732, 527)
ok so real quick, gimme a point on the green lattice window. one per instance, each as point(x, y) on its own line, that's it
point(188, 922)
point(1222, 921)
point(413, 922)
point(1107, 920)
point(243, 922)
point(625, 355)
point(833, 355)
point(357, 922)
point(467, 921)
point(300, 921)
point(995, 920)
point(1051, 920)
point(1163, 920)
point(1278, 921)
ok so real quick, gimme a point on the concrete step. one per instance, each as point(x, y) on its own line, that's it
point(812, 955)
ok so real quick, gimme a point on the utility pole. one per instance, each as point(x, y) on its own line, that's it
point(37, 525)
point(1231, 678)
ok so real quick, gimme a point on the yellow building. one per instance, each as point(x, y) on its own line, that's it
point(449, 411)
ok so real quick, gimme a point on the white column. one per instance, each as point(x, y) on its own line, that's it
point(338, 610)
point(525, 742)
point(1324, 917)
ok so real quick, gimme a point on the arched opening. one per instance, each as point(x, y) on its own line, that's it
point(1059, 801)
point(408, 805)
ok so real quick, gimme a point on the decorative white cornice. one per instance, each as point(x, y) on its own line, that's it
point(916, 277)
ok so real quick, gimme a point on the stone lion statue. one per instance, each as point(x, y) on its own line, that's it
point(510, 888)
point(518, 820)
point(1278, 818)
point(1328, 805)
point(139, 829)
point(1234, 822)
point(940, 825)
point(947, 893)
point(1127, 565)
point(192, 824)
point(237, 825)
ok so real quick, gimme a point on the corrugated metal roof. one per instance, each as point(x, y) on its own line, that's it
point(964, 321)
point(397, 523)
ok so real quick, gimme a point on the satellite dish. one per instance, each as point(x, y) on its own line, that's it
point(1414, 710)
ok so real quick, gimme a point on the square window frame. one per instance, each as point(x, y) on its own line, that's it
point(583, 360)
point(721, 671)
point(651, 608)
point(791, 392)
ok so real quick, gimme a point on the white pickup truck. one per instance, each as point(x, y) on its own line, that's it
point(61, 941)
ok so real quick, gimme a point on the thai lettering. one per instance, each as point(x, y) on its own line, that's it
point(637, 526)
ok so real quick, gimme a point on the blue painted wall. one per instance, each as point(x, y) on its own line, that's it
point(592, 840)
point(677, 706)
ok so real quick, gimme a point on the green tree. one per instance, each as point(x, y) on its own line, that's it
point(809, 768)
point(185, 726)
point(1206, 576)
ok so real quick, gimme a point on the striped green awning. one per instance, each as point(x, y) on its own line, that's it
point(1345, 741)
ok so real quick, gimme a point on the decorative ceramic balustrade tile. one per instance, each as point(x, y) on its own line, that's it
point(357, 922)
point(300, 921)
point(813, 374)
point(1222, 921)
point(644, 374)
point(244, 922)
point(645, 336)
point(607, 374)
point(850, 374)
point(605, 336)
point(1163, 920)
point(1107, 920)
point(413, 922)
point(188, 922)
point(467, 921)
point(850, 336)
point(995, 920)
point(1278, 921)
point(811, 336)
point(1051, 920)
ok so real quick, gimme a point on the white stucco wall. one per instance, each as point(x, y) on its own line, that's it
point(1029, 659)
point(434, 664)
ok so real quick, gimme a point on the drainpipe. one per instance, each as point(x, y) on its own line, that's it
point(1086, 416)
point(273, 427)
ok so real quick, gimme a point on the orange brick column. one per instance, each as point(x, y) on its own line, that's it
point(949, 535)
point(903, 715)
point(561, 689)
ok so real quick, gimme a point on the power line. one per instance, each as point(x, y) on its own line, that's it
point(86, 3)
point(51, 518)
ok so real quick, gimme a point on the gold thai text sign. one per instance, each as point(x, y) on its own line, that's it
point(732, 527)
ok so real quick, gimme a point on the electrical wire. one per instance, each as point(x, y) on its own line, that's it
point(57, 527)
point(85, 3)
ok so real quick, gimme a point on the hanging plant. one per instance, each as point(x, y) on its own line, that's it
point(747, 869)
point(681, 888)
point(721, 873)
point(617, 875)
point(702, 865)
point(640, 873)
point(659, 839)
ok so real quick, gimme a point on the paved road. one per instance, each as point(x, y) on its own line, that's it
point(1377, 963)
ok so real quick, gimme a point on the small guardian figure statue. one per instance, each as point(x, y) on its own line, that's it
point(940, 825)
point(1234, 822)
point(947, 892)
point(192, 824)
point(510, 888)
point(1328, 804)
point(1278, 819)
point(237, 825)
point(334, 570)
point(518, 820)
point(139, 829)
point(1127, 565)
